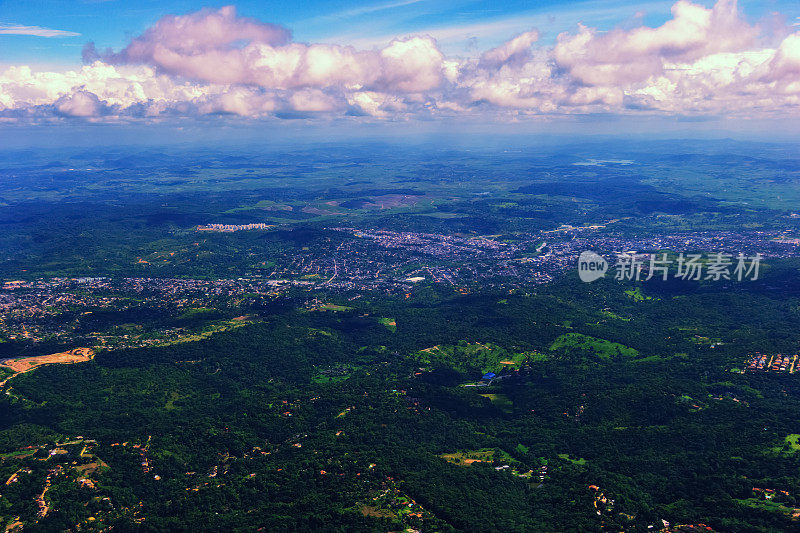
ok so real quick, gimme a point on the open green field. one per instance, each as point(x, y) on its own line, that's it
point(483, 455)
point(790, 446)
point(501, 401)
point(334, 307)
point(766, 505)
point(389, 323)
point(472, 357)
point(17, 454)
point(580, 461)
point(637, 295)
point(602, 349)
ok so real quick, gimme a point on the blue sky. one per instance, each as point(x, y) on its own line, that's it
point(462, 27)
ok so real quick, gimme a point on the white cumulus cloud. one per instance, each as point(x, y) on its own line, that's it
point(703, 60)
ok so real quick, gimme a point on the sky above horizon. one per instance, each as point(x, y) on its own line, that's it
point(174, 63)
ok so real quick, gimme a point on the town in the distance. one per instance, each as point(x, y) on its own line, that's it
point(399, 339)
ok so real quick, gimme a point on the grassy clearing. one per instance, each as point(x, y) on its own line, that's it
point(566, 457)
point(473, 357)
point(791, 445)
point(484, 455)
point(335, 374)
point(207, 331)
point(615, 316)
point(389, 323)
point(501, 401)
point(766, 505)
point(173, 397)
point(637, 295)
point(18, 454)
point(603, 349)
point(334, 307)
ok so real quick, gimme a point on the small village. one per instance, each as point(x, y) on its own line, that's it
point(71, 461)
point(230, 228)
point(773, 363)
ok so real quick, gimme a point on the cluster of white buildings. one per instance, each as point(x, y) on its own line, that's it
point(233, 227)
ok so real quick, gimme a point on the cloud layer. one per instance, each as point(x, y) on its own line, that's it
point(35, 31)
point(703, 61)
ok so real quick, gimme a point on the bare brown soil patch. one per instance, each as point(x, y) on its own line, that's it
point(26, 364)
point(367, 510)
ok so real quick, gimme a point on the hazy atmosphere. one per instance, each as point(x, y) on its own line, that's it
point(414, 266)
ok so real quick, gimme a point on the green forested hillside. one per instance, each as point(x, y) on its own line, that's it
point(237, 431)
